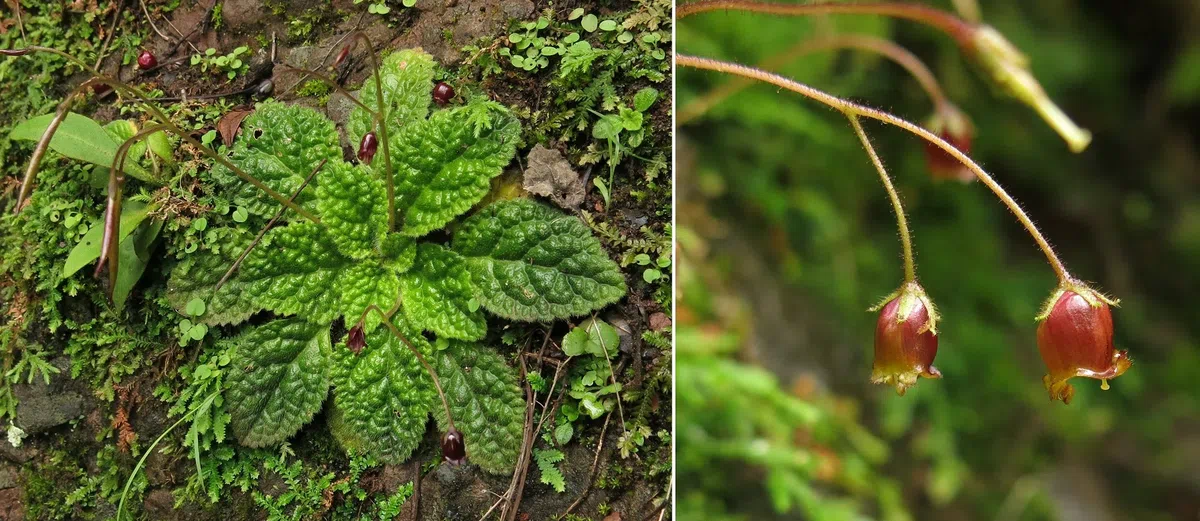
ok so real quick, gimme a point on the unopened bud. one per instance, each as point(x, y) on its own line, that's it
point(454, 447)
point(146, 61)
point(356, 340)
point(367, 148)
point(442, 93)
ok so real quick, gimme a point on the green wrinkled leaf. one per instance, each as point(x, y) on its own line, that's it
point(443, 167)
point(407, 80)
point(382, 395)
point(198, 273)
point(366, 284)
point(295, 271)
point(353, 205)
point(78, 137)
point(277, 381)
point(531, 262)
point(487, 403)
point(438, 292)
point(280, 145)
point(133, 256)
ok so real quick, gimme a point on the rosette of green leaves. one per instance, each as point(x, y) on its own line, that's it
point(518, 259)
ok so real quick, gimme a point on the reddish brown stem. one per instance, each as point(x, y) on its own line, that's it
point(954, 26)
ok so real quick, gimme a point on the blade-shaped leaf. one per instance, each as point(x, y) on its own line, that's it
point(437, 294)
point(407, 79)
point(134, 255)
point(279, 145)
point(88, 249)
point(79, 137)
point(487, 403)
point(532, 262)
point(383, 394)
point(442, 167)
point(277, 380)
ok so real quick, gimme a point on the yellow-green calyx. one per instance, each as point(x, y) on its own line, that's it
point(1009, 68)
point(1093, 297)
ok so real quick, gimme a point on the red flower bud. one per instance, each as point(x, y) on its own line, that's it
point(905, 339)
point(454, 447)
point(14, 52)
point(442, 93)
point(341, 57)
point(950, 124)
point(1075, 338)
point(367, 148)
point(356, 340)
point(146, 60)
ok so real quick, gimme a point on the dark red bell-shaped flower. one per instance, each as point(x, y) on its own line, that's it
point(1075, 338)
point(952, 125)
point(905, 339)
point(454, 447)
point(146, 60)
point(442, 93)
point(367, 148)
point(357, 339)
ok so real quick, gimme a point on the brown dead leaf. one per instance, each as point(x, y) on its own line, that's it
point(615, 516)
point(230, 123)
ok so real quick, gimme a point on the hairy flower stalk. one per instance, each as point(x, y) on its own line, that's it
point(850, 108)
point(906, 333)
point(1000, 59)
point(1063, 337)
point(883, 47)
point(1075, 338)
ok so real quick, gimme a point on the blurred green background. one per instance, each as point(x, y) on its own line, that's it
point(786, 238)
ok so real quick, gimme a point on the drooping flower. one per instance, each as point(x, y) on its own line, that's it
point(905, 339)
point(952, 125)
point(357, 339)
point(454, 447)
point(367, 147)
point(1075, 338)
point(146, 60)
point(442, 93)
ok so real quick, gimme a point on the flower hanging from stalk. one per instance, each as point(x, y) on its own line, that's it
point(905, 339)
point(1075, 338)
